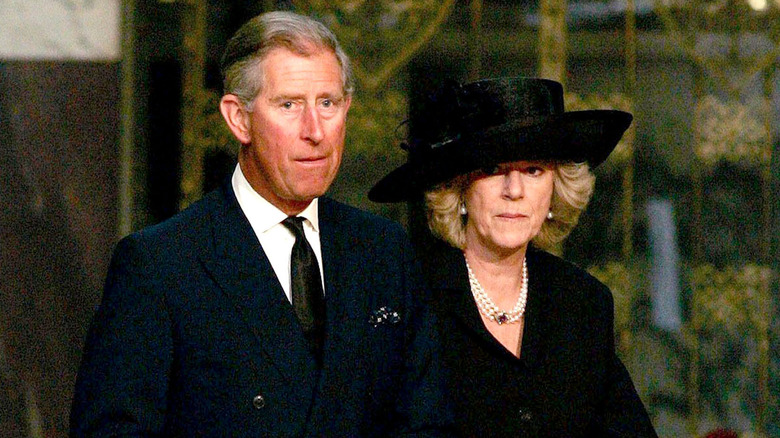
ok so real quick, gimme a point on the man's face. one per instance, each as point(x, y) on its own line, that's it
point(295, 129)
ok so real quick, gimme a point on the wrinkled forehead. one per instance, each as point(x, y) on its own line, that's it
point(310, 51)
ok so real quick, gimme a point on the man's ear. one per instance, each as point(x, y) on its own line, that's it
point(236, 117)
point(348, 102)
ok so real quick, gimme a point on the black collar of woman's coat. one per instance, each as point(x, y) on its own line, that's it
point(447, 276)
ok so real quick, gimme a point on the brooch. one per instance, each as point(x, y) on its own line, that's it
point(384, 315)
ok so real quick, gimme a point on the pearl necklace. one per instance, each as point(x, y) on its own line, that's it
point(489, 308)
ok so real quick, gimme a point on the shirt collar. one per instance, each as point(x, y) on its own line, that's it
point(262, 214)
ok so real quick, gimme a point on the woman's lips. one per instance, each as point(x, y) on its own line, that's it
point(512, 215)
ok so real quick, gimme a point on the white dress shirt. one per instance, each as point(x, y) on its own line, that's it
point(277, 241)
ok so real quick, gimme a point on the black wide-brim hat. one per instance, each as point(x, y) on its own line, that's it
point(462, 128)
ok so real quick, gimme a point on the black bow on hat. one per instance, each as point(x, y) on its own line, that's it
point(461, 128)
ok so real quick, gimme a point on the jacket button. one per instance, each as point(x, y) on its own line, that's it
point(258, 402)
point(524, 415)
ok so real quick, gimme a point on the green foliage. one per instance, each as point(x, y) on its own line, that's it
point(372, 149)
point(371, 23)
point(732, 310)
point(626, 291)
point(731, 131)
point(732, 299)
point(375, 124)
point(214, 133)
point(381, 36)
point(729, 331)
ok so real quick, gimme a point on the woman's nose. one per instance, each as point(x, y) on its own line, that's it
point(513, 185)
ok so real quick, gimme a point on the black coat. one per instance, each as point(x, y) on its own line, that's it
point(568, 382)
point(195, 337)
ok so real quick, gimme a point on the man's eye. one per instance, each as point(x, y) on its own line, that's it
point(287, 105)
point(327, 103)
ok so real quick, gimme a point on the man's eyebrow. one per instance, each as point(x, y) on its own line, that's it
point(332, 96)
point(298, 97)
point(286, 97)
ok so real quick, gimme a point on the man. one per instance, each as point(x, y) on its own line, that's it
point(203, 329)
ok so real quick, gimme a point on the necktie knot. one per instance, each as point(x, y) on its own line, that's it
point(295, 224)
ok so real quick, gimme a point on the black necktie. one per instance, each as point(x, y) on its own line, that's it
point(306, 286)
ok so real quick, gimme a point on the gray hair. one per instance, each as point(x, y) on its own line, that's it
point(572, 188)
point(249, 46)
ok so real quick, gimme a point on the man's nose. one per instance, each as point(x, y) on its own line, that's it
point(312, 125)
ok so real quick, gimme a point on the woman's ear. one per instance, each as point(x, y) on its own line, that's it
point(236, 117)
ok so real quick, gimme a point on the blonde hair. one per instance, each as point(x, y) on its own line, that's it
point(572, 188)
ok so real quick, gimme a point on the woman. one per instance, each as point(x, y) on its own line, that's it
point(528, 337)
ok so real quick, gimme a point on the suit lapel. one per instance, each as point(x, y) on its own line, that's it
point(341, 259)
point(346, 323)
point(238, 264)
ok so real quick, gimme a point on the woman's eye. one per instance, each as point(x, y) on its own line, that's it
point(490, 170)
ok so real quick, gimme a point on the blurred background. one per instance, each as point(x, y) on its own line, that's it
point(109, 123)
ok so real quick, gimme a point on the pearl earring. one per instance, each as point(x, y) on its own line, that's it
point(463, 209)
point(550, 215)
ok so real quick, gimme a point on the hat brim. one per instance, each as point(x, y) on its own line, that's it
point(577, 136)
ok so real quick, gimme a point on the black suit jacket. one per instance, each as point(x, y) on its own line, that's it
point(195, 336)
point(568, 382)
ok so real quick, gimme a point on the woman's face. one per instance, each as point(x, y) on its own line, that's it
point(507, 205)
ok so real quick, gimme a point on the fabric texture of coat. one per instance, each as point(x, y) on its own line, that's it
point(568, 381)
point(195, 336)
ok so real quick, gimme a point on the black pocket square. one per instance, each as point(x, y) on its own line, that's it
point(384, 315)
